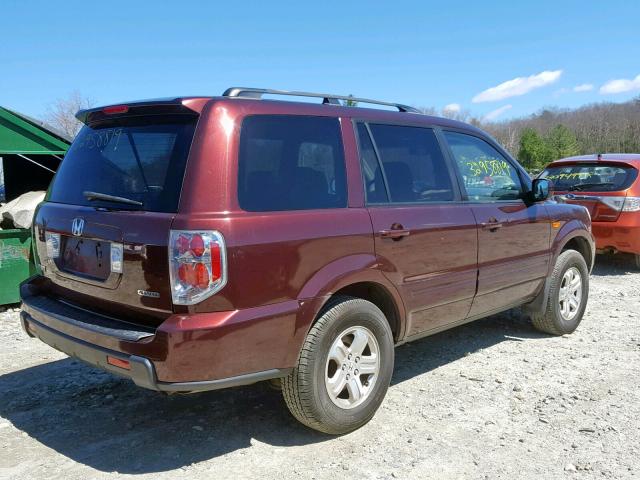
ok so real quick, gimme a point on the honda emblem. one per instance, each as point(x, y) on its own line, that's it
point(77, 226)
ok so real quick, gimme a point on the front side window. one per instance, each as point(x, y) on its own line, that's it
point(411, 167)
point(487, 175)
point(289, 162)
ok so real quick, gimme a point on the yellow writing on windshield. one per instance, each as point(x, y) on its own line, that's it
point(569, 176)
point(488, 167)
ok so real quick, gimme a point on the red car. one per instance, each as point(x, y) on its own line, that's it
point(608, 185)
point(191, 244)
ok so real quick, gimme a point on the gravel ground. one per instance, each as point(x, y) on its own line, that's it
point(492, 399)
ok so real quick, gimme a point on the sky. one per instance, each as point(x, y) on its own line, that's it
point(495, 59)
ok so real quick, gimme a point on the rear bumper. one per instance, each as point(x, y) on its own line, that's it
point(186, 353)
point(141, 371)
point(622, 235)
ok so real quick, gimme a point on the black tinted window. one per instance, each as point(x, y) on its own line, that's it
point(487, 175)
point(291, 163)
point(414, 167)
point(139, 160)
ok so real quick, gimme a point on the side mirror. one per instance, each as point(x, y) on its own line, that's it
point(540, 189)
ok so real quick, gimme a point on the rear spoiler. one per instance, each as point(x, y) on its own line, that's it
point(168, 106)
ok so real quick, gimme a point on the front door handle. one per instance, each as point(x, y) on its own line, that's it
point(492, 225)
point(395, 233)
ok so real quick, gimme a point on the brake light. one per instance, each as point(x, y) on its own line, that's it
point(115, 109)
point(197, 245)
point(621, 204)
point(198, 266)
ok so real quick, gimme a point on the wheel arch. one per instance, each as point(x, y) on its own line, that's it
point(572, 237)
point(580, 244)
point(356, 276)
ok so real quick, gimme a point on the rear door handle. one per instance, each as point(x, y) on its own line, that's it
point(395, 233)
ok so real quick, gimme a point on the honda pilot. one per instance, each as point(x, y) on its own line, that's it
point(198, 243)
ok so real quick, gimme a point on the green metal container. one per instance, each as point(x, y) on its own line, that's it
point(16, 263)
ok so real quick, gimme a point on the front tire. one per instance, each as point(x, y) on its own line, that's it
point(344, 368)
point(567, 297)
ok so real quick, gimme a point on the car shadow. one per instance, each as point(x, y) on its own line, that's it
point(111, 425)
point(614, 264)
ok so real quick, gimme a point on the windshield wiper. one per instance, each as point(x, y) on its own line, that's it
point(110, 198)
point(582, 186)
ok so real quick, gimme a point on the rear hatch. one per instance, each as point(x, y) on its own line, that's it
point(102, 233)
point(598, 186)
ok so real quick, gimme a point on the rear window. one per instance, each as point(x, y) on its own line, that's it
point(591, 177)
point(291, 163)
point(141, 160)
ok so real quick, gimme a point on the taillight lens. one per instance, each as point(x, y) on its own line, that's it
point(198, 265)
point(615, 203)
point(631, 204)
point(622, 204)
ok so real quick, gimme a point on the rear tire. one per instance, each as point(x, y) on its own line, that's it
point(636, 261)
point(344, 368)
point(567, 297)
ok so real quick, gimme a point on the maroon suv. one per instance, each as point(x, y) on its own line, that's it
point(192, 244)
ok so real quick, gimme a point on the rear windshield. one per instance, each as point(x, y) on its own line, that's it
point(141, 160)
point(591, 177)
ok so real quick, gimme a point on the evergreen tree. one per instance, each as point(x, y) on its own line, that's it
point(534, 152)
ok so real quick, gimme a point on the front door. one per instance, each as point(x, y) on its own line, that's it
point(425, 237)
point(513, 235)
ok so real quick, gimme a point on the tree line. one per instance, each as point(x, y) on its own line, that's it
point(555, 133)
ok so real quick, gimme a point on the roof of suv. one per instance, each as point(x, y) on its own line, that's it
point(331, 105)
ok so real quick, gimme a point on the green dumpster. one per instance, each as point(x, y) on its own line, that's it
point(16, 263)
point(30, 154)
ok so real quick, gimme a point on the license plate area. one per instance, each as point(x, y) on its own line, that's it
point(84, 257)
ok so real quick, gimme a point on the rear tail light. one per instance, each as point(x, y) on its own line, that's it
point(622, 204)
point(631, 204)
point(198, 265)
point(615, 203)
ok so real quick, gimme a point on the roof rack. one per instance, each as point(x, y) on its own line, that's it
point(327, 98)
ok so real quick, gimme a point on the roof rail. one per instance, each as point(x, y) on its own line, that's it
point(327, 98)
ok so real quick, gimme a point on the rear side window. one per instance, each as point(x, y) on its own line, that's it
point(141, 160)
point(413, 168)
point(291, 162)
point(591, 177)
point(487, 175)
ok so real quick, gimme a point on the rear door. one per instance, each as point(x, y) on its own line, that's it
point(513, 236)
point(102, 233)
point(425, 237)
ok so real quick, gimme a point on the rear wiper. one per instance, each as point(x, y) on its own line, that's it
point(582, 186)
point(110, 198)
